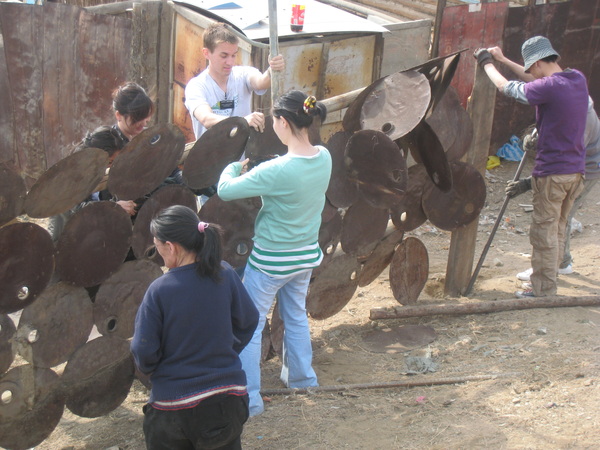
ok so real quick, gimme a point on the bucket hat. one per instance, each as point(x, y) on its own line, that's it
point(534, 49)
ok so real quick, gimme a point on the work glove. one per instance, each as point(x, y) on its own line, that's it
point(530, 142)
point(515, 188)
point(483, 57)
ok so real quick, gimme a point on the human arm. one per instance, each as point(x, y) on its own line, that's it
point(516, 188)
point(514, 89)
point(260, 81)
point(515, 68)
point(145, 345)
point(233, 185)
point(128, 206)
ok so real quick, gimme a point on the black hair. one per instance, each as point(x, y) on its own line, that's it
point(105, 138)
point(131, 100)
point(179, 224)
point(550, 59)
point(299, 109)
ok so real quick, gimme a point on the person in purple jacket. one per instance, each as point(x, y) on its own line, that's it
point(561, 101)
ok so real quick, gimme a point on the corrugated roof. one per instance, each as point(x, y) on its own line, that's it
point(252, 17)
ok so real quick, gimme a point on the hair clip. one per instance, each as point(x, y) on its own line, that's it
point(202, 226)
point(309, 103)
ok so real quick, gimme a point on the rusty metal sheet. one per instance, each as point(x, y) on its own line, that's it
point(376, 163)
point(222, 144)
point(380, 258)
point(409, 214)
point(146, 161)
point(66, 183)
point(342, 191)
point(7, 353)
point(265, 143)
point(334, 287)
point(55, 325)
point(25, 270)
point(426, 148)
point(459, 206)
point(12, 194)
point(163, 198)
point(98, 376)
point(362, 226)
point(409, 270)
point(93, 244)
point(119, 297)
point(237, 219)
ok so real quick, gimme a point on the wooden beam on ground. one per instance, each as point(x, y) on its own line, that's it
point(402, 312)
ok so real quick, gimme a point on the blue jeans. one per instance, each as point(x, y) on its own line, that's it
point(297, 371)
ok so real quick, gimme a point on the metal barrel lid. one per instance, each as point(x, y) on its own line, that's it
point(342, 191)
point(380, 258)
point(222, 144)
point(237, 219)
point(31, 407)
point(334, 287)
point(146, 161)
point(363, 225)
point(409, 270)
point(66, 183)
point(98, 376)
point(408, 214)
point(94, 244)
point(169, 195)
point(265, 143)
point(459, 206)
point(55, 325)
point(378, 166)
point(7, 352)
point(12, 194)
point(119, 297)
point(27, 264)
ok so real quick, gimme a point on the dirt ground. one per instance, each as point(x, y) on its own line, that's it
point(548, 362)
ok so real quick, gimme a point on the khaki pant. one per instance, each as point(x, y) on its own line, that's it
point(553, 197)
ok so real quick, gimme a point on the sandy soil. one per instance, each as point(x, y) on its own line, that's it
point(548, 362)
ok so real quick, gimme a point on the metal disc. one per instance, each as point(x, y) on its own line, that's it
point(380, 258)
point(342, 191)
point(119, 297)
point(55, 325)
point(222, 144)
point(409, 270)
point(334, 287)
point(237, 219)
point(363, 225)
point(425, 147)
point(7, 353)
point(98, 376)
point(12, 195)
point(146, 161)
point(409, 214)
point(66, 183)
point(173, 194)
point(265, 143)
point(352, 118)
point(376, 163)
point(94, 244)
point(27, 264)
point(329, 235)
point(462, 204)
point(31, 407)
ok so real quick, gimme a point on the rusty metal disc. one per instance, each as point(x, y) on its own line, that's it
point(342, 191)
point(462, 204)
point(352, 118)
point(329, 234)
point(146, 161)
point(7, 352)
point(275, 337)
point(94, 244)
point(169, 195)
point(222, 144)
point(119, 297)
point(12, 195)
point(380, 258)
point(409, 270)
point(98, 376)
point(237, 219)
point(27, 264)
point(55, 325)
point(408, 214)
point(426, 148)
point(363, 225)
point(66, 183)
point(265, 143)
point(334, 287)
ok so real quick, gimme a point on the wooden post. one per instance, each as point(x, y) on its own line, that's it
point(439, 14)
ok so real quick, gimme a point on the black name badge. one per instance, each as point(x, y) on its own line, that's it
point(226, 104)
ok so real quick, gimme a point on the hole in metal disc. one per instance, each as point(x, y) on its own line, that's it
point(154, 139)
point(403, 217)
point(6, 397)
point(330, 249)
point(353, 275)
point(111, 324)
point(33, 336)
point(436, 178)
point(387, 128)
point(233, 132)
point(396, 175)
point(23, 293)
point(469, 208)
point(241, 249)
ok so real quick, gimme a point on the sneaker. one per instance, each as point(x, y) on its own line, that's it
point(525, 293)
point(566, 270)
point(525, 276)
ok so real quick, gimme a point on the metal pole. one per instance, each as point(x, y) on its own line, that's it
point(274, 49)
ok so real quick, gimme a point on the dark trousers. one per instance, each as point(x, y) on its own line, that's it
point(216, 423)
